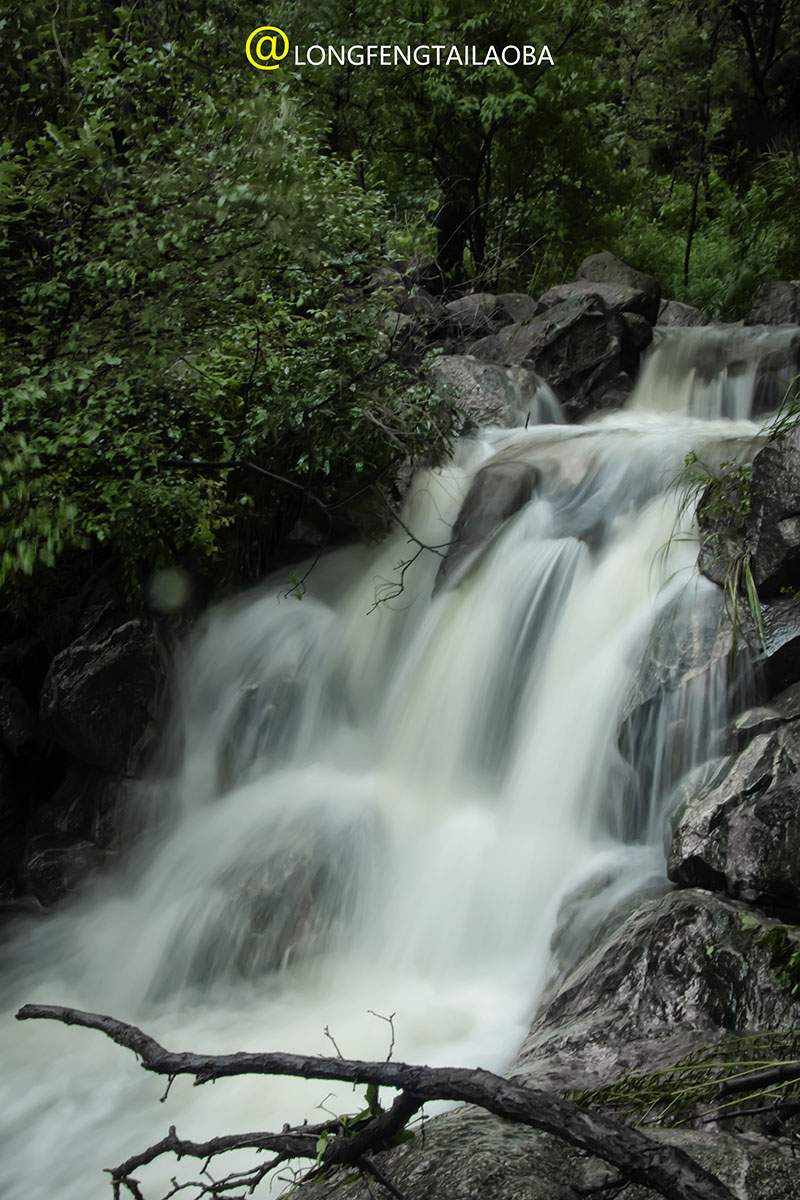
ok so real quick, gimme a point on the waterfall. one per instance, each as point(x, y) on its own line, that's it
point(391, 786)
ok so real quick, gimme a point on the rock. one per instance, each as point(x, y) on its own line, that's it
point(473, 313)
point(607, 268)
point(9, 803)
point(616, 297)
point(779, 662)
point(103, 694)
point(425, 308)
point(498, 491)
point(489, 394)
point(18, 729)
point(470, 1155)
point(674, 313)
point(70, 811)
point(761, 517)
point(741, 833)
point(575, 345)
point(398, 327)
point(518, 306)
point(639, 335)
point(53, 867)
point(776, 304)
point(679, 972)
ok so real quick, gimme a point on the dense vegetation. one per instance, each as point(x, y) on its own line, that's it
point(192, 358)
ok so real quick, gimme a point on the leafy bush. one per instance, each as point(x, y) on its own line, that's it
point(191, 354)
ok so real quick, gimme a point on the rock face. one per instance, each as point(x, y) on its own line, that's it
point(678, 972)
point(766, 522)
point(54, 867)
point(488, 394)
point(673, 313)
point(776, 304)
point(617, 297)
point(607, 268)
point(102, 694)
point(497, 492)
point(741, 833)
point(470, 1155)
point(576, 345)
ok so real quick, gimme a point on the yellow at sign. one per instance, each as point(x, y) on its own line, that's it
point(266, 47)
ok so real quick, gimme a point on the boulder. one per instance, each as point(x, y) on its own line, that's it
point(498, 491)
point(18, 729)
point(761, 517)
point(616, 297)
point(424, 307)
point(740, 833)
point(677, 973)
point(674, 313)
point(489, 394)
point(398, 327)
point(474, 313)
point(518, 306)
point(469, 1154)
point(103, 694)
point(607, 268)
point(575, 345)
point(52, 867)
point(776, 304)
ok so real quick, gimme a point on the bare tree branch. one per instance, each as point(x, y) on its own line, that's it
point(665, 1169)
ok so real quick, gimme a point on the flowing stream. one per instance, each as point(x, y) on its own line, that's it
point(383, 806)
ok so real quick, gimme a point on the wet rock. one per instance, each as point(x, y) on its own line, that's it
point(680, 971)
point(638, 336)
point(776, 304)
point(741, 833)
point(489, 394)
point(469, 1154)
point(103, 694)
point(761, 517)
point(607, 268)
point(52, 868)
point(18, 730)
point(616, 297)
point(517, 306)
point(674, 313)
point(575, 345)
point(498, 491)
point(12, 848)
point(779, 664)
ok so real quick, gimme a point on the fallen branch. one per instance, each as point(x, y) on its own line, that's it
point(665, 1169)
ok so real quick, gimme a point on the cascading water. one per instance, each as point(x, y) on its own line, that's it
point(384, 807)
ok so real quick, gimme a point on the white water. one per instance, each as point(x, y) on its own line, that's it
point(382, 808)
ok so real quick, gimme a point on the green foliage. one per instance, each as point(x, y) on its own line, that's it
point(691, 1088)
point(186, 293)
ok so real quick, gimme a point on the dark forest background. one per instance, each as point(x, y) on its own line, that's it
point(192, 352)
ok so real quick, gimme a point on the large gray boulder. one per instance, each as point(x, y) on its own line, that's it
point(103, 694)
point(740, 833)
point(470, 1155)
point(475, 313)
point(761, 517)
point(518, 306)
point(498, 491)
point(673, 313)
point(490, 394)
point(675, 975)
point(607, 268)
point(577, 346)
point(776, 304)
point(617, 297)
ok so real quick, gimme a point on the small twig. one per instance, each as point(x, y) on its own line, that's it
point(170, 1082)
point(332, 1041)
point(390, 1022)
point(367, 1164)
